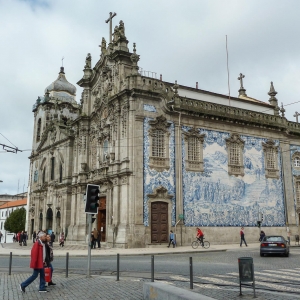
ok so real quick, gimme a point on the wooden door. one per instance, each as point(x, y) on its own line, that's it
point(159, 222)
point(101, 226)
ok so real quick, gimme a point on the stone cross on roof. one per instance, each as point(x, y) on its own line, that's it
point(111, 15)
point(296, 115)
point(242, 91)
point(241, 79)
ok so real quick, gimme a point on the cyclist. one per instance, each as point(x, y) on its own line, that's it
point(200, 236)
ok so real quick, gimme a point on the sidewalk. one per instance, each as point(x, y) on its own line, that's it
point(81, 250)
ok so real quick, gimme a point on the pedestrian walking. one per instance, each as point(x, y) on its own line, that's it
point(171, 239)
point(95, 237)
point(242, 234)
point(92, 239)
point(52, 238)
point(99, 238)
point(62, 240)
point(24, 238)
point(19, 234)
point(34, 236)
point(1, 236)
point(261, 235)
point(49, 257)
point(37, 263)
point(200, 235)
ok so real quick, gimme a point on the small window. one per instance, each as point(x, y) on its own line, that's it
point(297, 161)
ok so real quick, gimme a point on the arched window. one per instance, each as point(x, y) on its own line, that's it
point(44, 175)
point(52, 167)
point(38, 132)
point(60, 172)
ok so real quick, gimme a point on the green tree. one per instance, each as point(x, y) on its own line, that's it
point(16, 220)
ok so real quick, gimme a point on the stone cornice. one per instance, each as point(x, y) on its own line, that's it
point(224, 113)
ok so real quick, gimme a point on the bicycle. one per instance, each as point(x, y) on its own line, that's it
point(197, 243)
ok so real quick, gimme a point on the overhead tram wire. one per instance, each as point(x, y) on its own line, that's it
point(8, 140)
point(91, 147)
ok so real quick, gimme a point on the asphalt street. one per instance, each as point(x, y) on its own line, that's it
point(215, 274)
point(204, 263)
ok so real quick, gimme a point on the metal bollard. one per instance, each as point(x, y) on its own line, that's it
point(152, 268)
point(67, 265)
point(10, 263)
point(118, 267)
point(191, 273)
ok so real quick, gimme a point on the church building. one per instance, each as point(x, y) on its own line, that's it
point(166, 157)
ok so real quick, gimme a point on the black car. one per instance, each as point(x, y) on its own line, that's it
point(274, 244)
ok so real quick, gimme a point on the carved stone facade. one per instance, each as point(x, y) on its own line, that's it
point(160, 153)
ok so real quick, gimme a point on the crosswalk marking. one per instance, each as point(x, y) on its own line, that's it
point(279, 276)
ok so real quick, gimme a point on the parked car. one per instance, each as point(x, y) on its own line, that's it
point(274, 244)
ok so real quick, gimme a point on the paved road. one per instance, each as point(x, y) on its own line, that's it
point(215, 274)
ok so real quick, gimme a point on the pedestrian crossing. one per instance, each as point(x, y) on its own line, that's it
point(286, 281)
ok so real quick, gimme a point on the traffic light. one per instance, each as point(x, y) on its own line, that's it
point(262, 217)
point(92, 197)
point(258, 224)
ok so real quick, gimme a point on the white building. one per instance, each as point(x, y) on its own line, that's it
point(5, 211)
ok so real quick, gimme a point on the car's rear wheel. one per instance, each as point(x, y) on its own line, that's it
point(287, 254)
point(262, 255)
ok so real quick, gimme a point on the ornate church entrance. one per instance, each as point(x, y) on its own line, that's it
point(101, 226)
point(159, 222)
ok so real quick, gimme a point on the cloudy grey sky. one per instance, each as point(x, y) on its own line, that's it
point(182, 40)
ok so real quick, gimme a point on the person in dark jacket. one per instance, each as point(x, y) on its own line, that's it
point(34, 236)
point(262, 235)
point(37, 263)
point(52, 239)
point(99, 238)
point(49, 257)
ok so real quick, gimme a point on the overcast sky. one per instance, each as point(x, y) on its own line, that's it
point(182, 40)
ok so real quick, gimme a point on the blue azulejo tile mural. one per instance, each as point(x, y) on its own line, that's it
point(295, 149)
point(150, 108)
point(154, 179)
point(215, 198)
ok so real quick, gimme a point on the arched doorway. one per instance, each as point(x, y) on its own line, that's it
point(101, 226)
point(49, 219)
point(159, 222)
